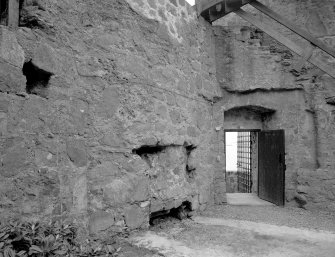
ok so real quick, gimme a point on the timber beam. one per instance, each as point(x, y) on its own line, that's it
point(212, 10)
point(300, 50)
point(306, 35)
point(13, 14)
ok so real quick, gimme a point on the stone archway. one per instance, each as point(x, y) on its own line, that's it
point(246, 120)
point(247, 117)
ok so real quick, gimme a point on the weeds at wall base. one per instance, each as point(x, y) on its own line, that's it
point(49, 239)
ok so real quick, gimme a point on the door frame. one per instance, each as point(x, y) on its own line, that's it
point(237, 130)
point(259, 130)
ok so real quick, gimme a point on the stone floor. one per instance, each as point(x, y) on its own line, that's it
point(219, 236)
point(246, 199)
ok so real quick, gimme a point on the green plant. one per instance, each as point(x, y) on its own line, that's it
point(23, 239)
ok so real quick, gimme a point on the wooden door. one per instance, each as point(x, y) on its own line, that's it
point(271, 166)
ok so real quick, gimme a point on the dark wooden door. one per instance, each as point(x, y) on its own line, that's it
point(271, 166)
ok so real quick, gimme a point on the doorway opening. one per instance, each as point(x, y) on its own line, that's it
point(241, 161)
point(255, 166)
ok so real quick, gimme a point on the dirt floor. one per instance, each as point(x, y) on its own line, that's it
point(231, 231)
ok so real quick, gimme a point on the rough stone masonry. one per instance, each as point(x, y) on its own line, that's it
point(108, 109)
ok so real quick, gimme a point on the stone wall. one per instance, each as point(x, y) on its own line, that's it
point(106, 111)
point(255, 70)
point(111, 111)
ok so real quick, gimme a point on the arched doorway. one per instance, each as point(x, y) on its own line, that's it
point(259, 155)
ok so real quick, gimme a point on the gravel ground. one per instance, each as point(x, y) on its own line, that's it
point(187, 238)
point(230, 231)
point(292, 217)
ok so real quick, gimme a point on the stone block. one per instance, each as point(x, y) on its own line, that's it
point(220, 198)
point(303, 189)
point(135, 164)
point(103, 173)
point(158, 95)
point(169, 204)
point(76, 150)
point(136, 217)
point(4, 104)
point(161, 13)
point(161, 111)
point(182, 2)
point(175, 117)
point(89, 66)
point(113, 139)
point(29, 207)
point(80, 194)
point(108, 41)
point(139, 2)
point(3, 124)
point(174, 2)
point(193, 159)
point(315, 25)
point(14, 160)
point(11, 78)
point(202, 207)
point(152, 4)
point(10, 50)
point(163, 32)
point(156, 205)
point(204, 196)
point(140, 190)
point(110, 102)
point(171, 99)
point(100, 221)
point(194, 202)
point(196, 66)
point(198, 82)
point(118, 192)
point(192, 132)
point(44, 58)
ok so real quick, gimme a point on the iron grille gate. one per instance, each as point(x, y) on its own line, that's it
point(244, 179)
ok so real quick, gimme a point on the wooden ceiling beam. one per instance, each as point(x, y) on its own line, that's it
point(264, 9)
point(300, 50)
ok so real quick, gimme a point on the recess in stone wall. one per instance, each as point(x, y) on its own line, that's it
point(37, 79)
point(3, 12)
point(182, 212)
point(248, 116)
point(147, 149)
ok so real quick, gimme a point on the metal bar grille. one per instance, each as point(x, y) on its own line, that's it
point(244, 178)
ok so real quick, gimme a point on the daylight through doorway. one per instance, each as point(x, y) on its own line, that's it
point(241, 161)
point(244, 174)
